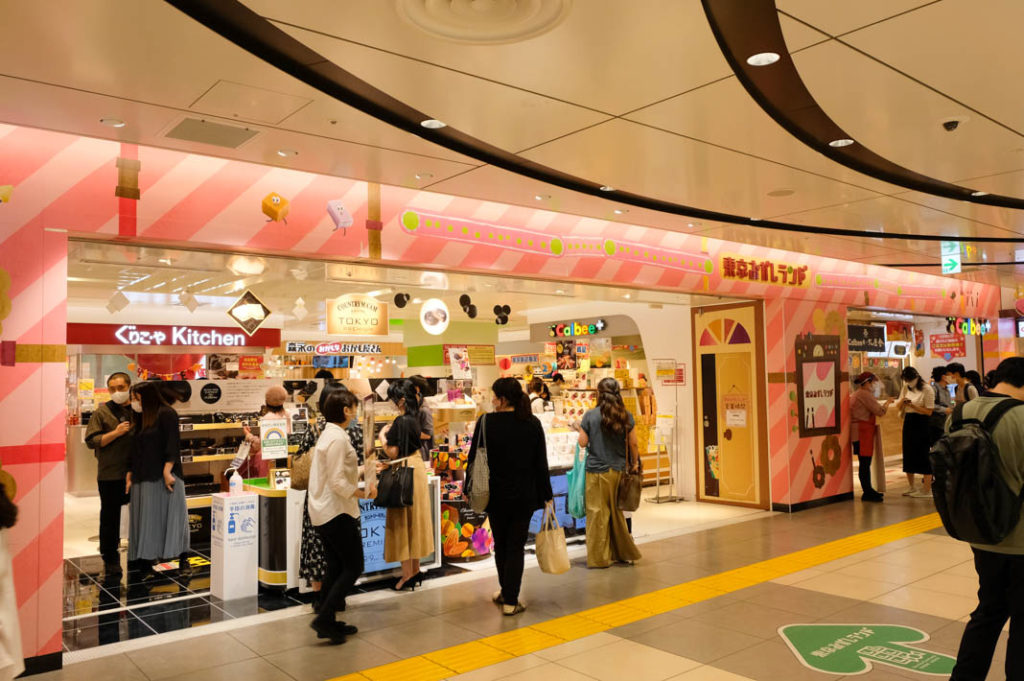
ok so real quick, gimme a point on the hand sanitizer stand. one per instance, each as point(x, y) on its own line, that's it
point(234, 538)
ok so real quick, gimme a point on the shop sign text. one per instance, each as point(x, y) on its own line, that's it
point(764, 271)
point(947, 346)
point(356, 314)
point(968, 326)
point(129, 334)
point(300, 348)
point(571, 329)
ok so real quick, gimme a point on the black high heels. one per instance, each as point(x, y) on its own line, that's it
point(410, 584)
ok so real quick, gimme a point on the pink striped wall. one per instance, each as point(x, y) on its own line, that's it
point(65, 182)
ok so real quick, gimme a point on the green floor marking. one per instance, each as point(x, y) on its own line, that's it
point(854, 648)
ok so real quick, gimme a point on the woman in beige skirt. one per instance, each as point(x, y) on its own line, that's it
point(409, 534)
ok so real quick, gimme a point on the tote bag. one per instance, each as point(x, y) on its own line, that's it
point(552, 554)
point(577, 483)
point(628, 498)
point(479, 476)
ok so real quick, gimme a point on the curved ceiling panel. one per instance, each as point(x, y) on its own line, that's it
point(748, 29)
point(250, 31)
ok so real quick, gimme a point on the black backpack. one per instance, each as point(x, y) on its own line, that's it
point(972, 498)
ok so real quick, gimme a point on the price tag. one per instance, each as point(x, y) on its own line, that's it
point(186, 427)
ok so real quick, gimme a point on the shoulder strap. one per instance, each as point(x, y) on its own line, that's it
point(997, 412)
point(958, 417)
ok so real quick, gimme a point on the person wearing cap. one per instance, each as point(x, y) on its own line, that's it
point(273, 406)
point(864, 410)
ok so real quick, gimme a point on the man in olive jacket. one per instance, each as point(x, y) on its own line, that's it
point(109, 434)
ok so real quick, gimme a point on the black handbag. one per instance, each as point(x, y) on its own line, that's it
point(394, 487)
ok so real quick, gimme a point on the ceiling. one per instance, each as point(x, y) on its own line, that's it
point(637, 96)
point(153, 279)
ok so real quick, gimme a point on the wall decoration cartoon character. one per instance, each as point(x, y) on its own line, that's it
point(276, 207)
point(341, 218)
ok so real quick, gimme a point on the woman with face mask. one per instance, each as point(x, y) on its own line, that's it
point(109, 435)
point(158, 513)
point(864, 409)
point(916, 404)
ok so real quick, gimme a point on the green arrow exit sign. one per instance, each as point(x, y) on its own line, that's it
point(854, 648)
point(950, 253)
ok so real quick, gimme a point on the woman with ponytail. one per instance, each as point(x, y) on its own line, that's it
point(519, 482)
point(608, 430)
point(409, 533)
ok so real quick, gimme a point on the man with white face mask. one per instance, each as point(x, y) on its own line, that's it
point(109, 435)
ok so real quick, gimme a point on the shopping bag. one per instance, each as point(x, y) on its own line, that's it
point(395, 486)
point(301, 465)
point(552, 554)
point(478, 478)
point(577, 482)
point(630, 484)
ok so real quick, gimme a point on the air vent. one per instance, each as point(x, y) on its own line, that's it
point(207, 132)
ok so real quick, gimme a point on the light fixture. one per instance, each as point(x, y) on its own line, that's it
point(627, 296)
point(244, 265)
point(620, 211)
point(763, 59)
point(433, 124)
point(979, 193)
point(607, 188)
point(690, 225)
point(541, 197)
point(287, 152)
point(112, 122)
point(755, 219)
point(424, 176)
point(188, 301)
point(117, 302)
point(560, 292)
point(417, 301)
point(839, 143)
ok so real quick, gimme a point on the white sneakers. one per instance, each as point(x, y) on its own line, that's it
point(921, 494)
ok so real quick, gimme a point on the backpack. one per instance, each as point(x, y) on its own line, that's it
point(972, 498)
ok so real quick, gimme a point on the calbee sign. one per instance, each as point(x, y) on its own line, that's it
point(968, 326)
point(573, 329)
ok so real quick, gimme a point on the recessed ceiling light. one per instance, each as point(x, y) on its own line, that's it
point(620, 211)
point(287, 152)
point(424, 176)
point(755, 219)
point(560, 292)
point(689, 224)
point(844, 142)
point(433, 124)
point(763, 59)
point(112, 122)
point(627, 296)
point(979, 193)
point(541, 197)
point(607, 188)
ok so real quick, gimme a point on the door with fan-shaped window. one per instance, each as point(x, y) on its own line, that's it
point(732, 452)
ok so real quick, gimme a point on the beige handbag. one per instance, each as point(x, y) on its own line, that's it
point(552, 553)
point(300, 470)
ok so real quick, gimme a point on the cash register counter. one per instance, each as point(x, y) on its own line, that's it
point(280, 536)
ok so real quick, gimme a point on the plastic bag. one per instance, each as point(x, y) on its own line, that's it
point(577, 479)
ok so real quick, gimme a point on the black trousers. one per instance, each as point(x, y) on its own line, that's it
point(1000, 597)
point(864, 471)
point(112, 498)
point(510, 528)
point(343, 549)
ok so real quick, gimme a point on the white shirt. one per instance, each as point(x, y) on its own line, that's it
point(333, 477)
point(924, 398)
point(536, 403)
point(10, 629)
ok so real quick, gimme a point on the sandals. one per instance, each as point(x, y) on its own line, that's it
point(510, 610)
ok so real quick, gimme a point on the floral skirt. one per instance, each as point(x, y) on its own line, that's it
point(312, 558)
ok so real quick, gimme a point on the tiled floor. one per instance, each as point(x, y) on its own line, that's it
point(923, 581)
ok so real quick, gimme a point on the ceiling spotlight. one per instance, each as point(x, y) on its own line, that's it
point(839, 143)
point(287, 152)
point(188, 301)
point(541, 197)
point(424, 176)
point(433, 124)
point(979, 193)
point(244, 265)
point(560, 292)
point(690, 225)
point(112, 122)
point(763, 59)
point(607, 188)
point(117, 302)
point(627, 296)
point(620, 211)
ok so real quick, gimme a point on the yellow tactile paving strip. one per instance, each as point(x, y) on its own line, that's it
point(467, 657)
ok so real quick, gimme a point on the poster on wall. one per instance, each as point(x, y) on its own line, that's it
point(865, 338)
point(947, 346)
point(565, 355)
point(918, 343)
point(736, 407)
point(458, 359)
point(600, 353)
point(817, 382)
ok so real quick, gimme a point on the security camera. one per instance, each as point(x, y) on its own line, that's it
point(950, 125)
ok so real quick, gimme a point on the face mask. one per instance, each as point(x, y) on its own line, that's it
point(120, 397)
point(137, 407)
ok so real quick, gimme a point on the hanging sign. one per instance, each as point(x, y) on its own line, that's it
point(161, 335)
point(357, 314)
point(947, 346)
point(865, 338)
point(968, 326)
point(950, 252)
point(249, 312)
point(736, 407)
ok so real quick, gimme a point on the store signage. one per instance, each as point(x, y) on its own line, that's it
point(851, 649)
point(249, 312)
point(764, 271)
point(950, 253)
point(300, 348)
point(968, 326)
point(479, 355)
point(947, 346)
point(571, 329)
point(356, 314)
point(157, 335)
point(866, 338)
point(274, 438)
point(250, 363)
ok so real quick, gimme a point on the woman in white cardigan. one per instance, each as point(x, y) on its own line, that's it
point(11, 663)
